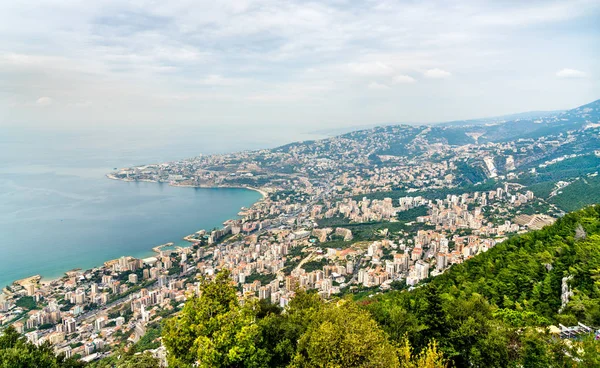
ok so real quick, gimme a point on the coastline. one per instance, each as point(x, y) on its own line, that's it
point(151, 250)
point(259, 190)
point(263, 193)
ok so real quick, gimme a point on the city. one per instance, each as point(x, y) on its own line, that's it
point(340, 216)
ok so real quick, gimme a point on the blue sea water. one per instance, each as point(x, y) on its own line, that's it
point(58, 211)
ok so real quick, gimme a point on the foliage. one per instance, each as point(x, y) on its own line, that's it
point(281, 332)
point(450, 135)
point(264, 278)
point(579, 193)
point(26, 302)
point(16, 352)
point(469, 173)
point(333, 221)
point(343, 335)
point(543, 189)
point(430, 357)
point(527, 270)
point(127, 359)
point(491, 311)
point(149, 340)
point(412, 214)
point(569, 168)
point(315, 265)
point(213, 330)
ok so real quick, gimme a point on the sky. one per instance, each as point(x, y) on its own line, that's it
point(291, 64)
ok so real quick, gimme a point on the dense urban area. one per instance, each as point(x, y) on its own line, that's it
point(384, 209)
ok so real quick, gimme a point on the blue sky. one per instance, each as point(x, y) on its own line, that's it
point(296, 64)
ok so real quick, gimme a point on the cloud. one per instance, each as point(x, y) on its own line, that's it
point(402, 79)
point(43, 101)
point(437, 73)
point(373, 69)
point(219, 80)
point(377, 86)
point(570, 73)
point(531, 13)
point(125, 56)
point(271, 98)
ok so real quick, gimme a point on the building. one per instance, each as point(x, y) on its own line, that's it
point(70, 325)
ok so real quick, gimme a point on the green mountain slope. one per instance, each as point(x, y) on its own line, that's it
point(489, 311)
point(579, 193)
point(529, 269)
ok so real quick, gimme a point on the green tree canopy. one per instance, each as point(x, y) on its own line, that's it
point(344, 335)
point(214, 330)
point(16, 352)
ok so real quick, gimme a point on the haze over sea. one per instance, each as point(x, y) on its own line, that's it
point(58, 211)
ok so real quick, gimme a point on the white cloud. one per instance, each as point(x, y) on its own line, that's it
point(437, 73)
point(272, 98)
point(184, 53)
point(43, 101)
point(531, 13)
point(219, 80)
point(570, 73)
point(401, 79)
point(377, 86)
point(373, 69)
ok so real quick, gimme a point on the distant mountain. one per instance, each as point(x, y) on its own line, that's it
point(502, 119)
point(526, 125)
point(530, 128)
point(486, 309)
point(499, 128)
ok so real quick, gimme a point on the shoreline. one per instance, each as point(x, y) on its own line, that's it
point(263, 193)
point(50, 279)
point(259, 190)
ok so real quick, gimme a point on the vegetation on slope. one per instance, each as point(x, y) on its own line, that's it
point(490, 311)
point(215, 330)
point(16, 352)
point(581, 192)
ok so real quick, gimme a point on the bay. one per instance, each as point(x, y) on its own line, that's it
point(58, 211)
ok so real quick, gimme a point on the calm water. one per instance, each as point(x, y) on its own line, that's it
point(58, 211)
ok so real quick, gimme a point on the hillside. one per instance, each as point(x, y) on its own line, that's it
point(553, 124)
point(476, 309)
point(578, 193)
point(490, 311)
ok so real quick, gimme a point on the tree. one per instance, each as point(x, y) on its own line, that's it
point(344, 335)
point(281, 332)
point(434, 314)
point(213, 330)
point(16, 352)
point(430, 357)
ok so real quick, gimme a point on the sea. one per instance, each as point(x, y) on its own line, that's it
point(58, 211)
